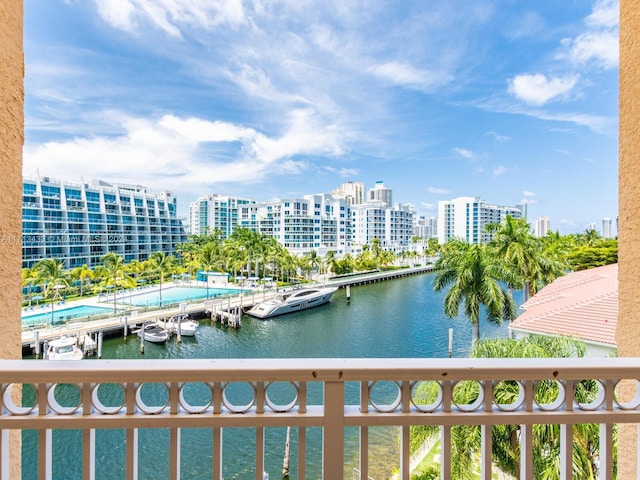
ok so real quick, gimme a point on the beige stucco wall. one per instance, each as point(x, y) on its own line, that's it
point(629, 214)
point(11, 140)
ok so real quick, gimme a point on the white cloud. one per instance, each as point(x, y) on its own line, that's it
point(537, 89)
point(428, 206)
point(117, 13)
point(496, 136)
point(530, 201)
point(407, 76)
point(438, 191)
point(528, 194)
point(599, 44)
point(605, 14)
point(189, 153)
point(171, 16)
point(343, 172)
point(464, 153)
point(598, 47)
point(562, 151)
point(499, 170)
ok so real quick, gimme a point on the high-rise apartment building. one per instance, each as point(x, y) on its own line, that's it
point(426, 227)
point(542, 226)
point(606, 228)
point(352, 192)
point(466, 218)
point(214, 212)
point(78, 223)
point(380, 193)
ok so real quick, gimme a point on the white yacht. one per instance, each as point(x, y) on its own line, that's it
point(292, 301)
point(187, 326)
point(64, 348)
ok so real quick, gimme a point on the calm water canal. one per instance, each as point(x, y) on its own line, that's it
point(396, 318)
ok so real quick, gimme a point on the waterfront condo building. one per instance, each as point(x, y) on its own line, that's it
point(393, 226)
point(215, 212)
point(466, 217)
point(78, 223)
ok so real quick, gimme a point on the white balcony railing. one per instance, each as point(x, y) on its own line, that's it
point(177, 409)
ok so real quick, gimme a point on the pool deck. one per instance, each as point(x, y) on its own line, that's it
point(132, 316)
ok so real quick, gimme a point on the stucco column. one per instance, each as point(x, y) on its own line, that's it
point(629, 215)
point(11, 141)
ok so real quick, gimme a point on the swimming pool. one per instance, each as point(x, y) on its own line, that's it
point(61, 314)
point(174, 295)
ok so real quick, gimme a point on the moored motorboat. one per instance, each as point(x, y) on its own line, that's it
point(186, 325)
point(292, 301)
point(64, 348)
point(153, 333)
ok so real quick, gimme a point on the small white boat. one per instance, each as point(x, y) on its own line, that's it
point(153, 333)
point(187, 326)
point(292, 301)
point(64, 348)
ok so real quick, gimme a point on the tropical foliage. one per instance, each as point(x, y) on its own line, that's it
point(513, 258)
point(476, 281)
point(546, 438)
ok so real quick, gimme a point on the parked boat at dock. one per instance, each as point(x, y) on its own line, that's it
point(186, 325)
point(153, 333)
point(64, 348)
point(292, 301)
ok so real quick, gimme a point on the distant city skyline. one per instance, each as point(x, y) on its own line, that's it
point(507, 101)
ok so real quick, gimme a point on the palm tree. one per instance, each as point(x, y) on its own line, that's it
point(208, 259)
point(82, 274)
point(474, 280)
point(29, 279)
point(520, 251)
point(114, 265)
point(589, 237)
point(51, 274)
point(506, 451)
point(163, 263)
point(312, 260)
point(328, 260)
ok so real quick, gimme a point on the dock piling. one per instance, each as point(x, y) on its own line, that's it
point(285, 463)
point(36, 341)
point(100, 336)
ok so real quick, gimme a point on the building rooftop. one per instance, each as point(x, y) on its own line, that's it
point(582, 304)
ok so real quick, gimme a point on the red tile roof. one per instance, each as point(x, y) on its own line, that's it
point(582, 304)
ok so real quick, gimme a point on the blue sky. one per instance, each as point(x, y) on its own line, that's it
point(508, 100)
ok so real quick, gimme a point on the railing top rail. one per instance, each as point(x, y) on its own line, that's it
point(317, 369)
